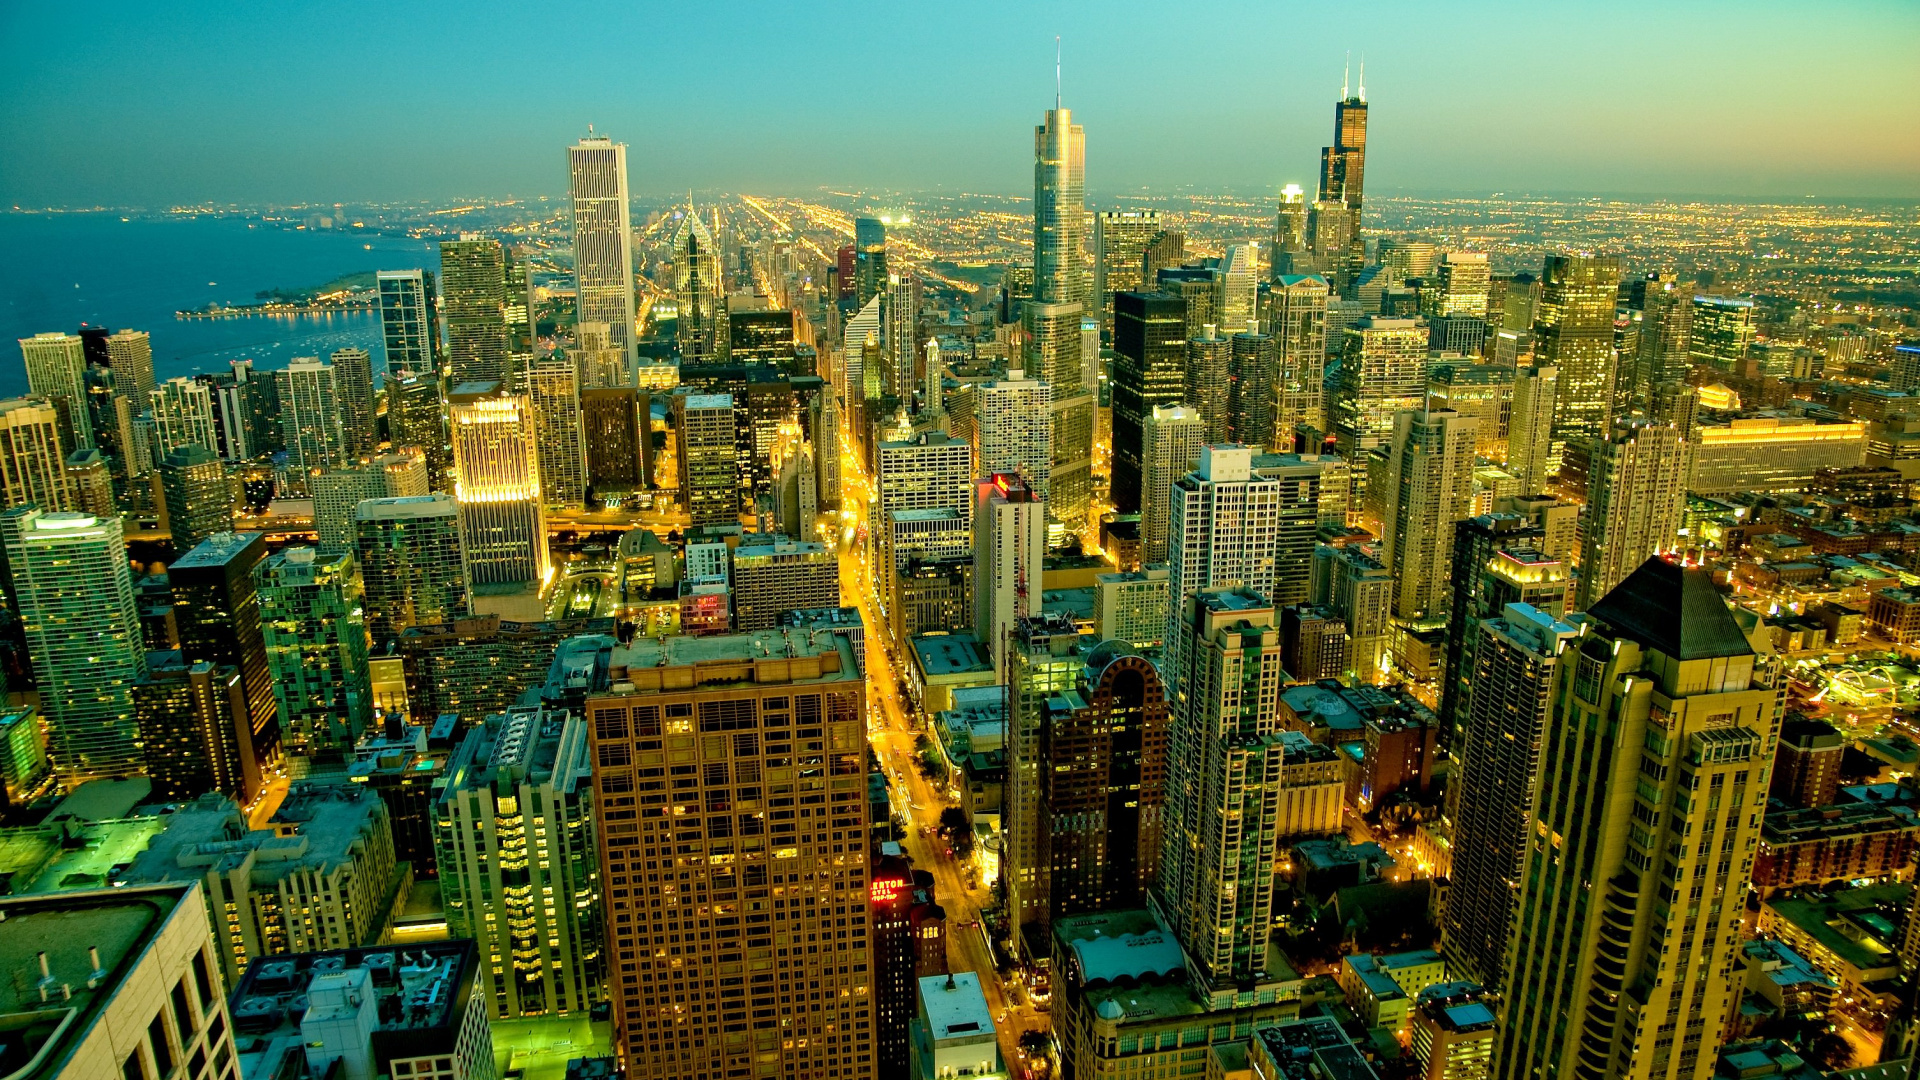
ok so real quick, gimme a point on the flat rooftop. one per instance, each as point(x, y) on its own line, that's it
point(956, 1007)
point(121, 923)
point(951, 654)
point(780, 655)
point(216, 550)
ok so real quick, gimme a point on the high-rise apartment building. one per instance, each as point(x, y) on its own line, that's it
point(503, 521)
point(1357, 587)
point(708, 458)
point(74, 592)
point(337, 493)
point(1055, 346)
point(353, 389)
point(182, 412)
point(553, 394)
point(1243, 783)
point(1632, 894)
point(1208, 381)
point(310, 415)
point(1120, 241)
point(130, 358)
point(194, 730)
point(57, 373)
point(612, 439)
point(32, 462)
point(1009, 545)
point(417, 418)
point(1498, 559)
point(1636, 490)
point(519, 868)
point(1173, 438)
point(1514, 656)
point(1429, 489)
point(196, 494)
point(90, 479)
point(1722, 333)
point(1251, 364)
point(473, 303)
point(744, 704)
point(475, 667)
point(603, 238)
point(410, 557)
point(1382, 373)
point(1573, 332)
point(1663, 352)
point(409, 322)
point(1044, 657)
point(315, 634)
point(1149, 347)
point(1012, 429)
point(1481, 392)
point(1530, 426)
point(1297, 321)
point(216, 612)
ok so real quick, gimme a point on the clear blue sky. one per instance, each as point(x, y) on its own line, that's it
point(125, 102)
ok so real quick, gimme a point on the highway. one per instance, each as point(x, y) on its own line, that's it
point(892, 734)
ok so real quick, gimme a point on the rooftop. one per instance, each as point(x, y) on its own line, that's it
point(793, 654)
point(955, 1006)
point(951, 654)
point(407, 506)
point(1673, 610)
point(44, 1026)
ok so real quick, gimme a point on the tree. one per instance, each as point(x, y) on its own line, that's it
point(956, 825)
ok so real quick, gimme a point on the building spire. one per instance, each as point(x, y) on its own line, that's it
point(1056, 73)
point(1345, 71)
point(1363, 78)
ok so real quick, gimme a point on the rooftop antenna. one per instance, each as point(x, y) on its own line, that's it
point(1056, 73)
point(1363, 78)
point(1344, 72)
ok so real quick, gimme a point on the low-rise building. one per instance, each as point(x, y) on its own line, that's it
point(1381, 989)
point(412, 1013)
point(1453, 1030)
point(939, 664)
point(953, 1034)
point(1852, 935)
point(475, 668)
point(1840, 842)
point(1895, 613)
point(1778, 985)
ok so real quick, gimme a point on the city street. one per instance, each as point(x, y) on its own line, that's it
point(892, 734)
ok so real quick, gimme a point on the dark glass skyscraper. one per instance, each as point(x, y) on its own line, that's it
point(1149, 369)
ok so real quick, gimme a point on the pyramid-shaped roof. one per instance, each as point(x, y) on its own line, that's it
point(1674, 610)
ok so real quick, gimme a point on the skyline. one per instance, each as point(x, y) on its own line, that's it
point(1470, 98)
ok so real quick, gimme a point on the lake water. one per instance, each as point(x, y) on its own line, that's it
point(58, 271)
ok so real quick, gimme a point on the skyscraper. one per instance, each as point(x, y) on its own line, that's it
point(1573, 332)
point(353, 387)
point(411, 560)
point(667, 1022)
point(699, 322)
point(1429, 489)
point(315, 634)
point(1011, 429)
point(130, 357)
point(534, 907)
point(1060, 211)
point(709, 462)
point(1722, 333)
point(1530, 426)
point(90, 479)
point(1251, 364)
point(1343, 174)
point(473, 301)
point(1514, 657)
point(1632, 891)
point(194, 729)
point(869, 259)
point(1149, 348)
point(1208, 381)
point(337, 493)
point(600, 364)
point(1666, 334)
point(1120, 240)
point(1054, 357)
point(409, 322)
point(503, 521)
point(1382, 373)
point(603, 238)
point(417, 418)
point(1044, 655)
point(32, 464)
point(182, 411)
point(310, 415)
point(612, 439)
point(1009, 545)
point(57, 371)
point(1171, 448)
point(1636, 489)
point(197, 495)
point(216, 610)
point(1297, 321)
point(1226, 816)
point(553, 392)
point(75, 595)
point(1464, 284)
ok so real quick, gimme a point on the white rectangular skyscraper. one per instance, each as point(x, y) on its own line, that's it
point(603, 237)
